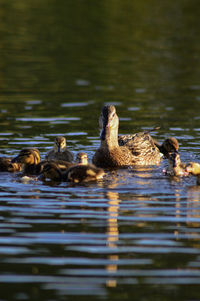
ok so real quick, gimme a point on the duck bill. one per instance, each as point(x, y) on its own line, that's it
point(103, 134)
point(105, 131)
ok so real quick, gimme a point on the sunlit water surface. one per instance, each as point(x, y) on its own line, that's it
point(135, 234)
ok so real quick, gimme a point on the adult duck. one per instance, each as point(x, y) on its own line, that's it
point(60, 151)
point(137, 149)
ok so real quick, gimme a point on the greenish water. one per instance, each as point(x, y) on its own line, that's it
point(135, 235)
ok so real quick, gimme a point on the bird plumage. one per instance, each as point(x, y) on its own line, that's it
point(126, 150)
point(60, 151)
point(6, 164)
point(176, 167)
point(83, 171)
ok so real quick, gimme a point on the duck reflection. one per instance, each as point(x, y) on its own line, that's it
point(177, 213)
point(143, 175)
point(112, 233)
point(193, 206)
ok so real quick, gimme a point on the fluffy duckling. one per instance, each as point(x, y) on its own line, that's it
point(138, 149)
point(30, 160)
point(194, 169)
point(7, 165)
point(83, 171)
point(55, 170)
point(176, 167)
point(60, 151)
point(32, 164)
point(169, 146)
point(52, 171)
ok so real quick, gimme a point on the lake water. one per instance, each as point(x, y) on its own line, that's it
point(135, 235)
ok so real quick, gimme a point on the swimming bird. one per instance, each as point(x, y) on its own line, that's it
point(32, 164)
point(83, 171)
point(169, 146)
point(137, 149)
point(30, 160)
point(194, 169)
point(55, 170)
point(7, 165)
point(60, 151)
point(176, 167)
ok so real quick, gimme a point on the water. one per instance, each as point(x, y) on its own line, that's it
point(134, 235)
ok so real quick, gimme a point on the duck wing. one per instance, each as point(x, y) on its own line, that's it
point(142, 148)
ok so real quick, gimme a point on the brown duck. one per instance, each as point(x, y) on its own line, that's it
point(83, 171)
point(32, 164)
point(169, 146)
point(55, 170)
point(176, 167)
point(138, 149)
point(60, 151)
point(7, 165)
point(30, 160)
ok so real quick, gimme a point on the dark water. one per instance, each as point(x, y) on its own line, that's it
point(135, 235)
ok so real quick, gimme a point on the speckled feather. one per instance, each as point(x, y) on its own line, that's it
point(137, 149)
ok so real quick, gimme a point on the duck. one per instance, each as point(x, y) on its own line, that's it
point(176, 167)
point(52, 172)
point(194, 169)
point(7, 165)
point(84, 171)
point(60, 151)
point(123, 151)
point(30, 160)
point(55, 170)
point(169, 146)
point(32, 164)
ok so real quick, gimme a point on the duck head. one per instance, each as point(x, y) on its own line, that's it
point(108, 121)
point(82, 158)
point(170, 146)
point(60, 144)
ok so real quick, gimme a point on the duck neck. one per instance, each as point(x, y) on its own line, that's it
point(109, 137)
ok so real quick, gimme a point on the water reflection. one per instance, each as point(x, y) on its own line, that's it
point(113, 233)
point(193, 207)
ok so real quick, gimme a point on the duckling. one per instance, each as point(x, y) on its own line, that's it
point(176, 167)
point(32, 164)
point(170, 145)
point(60, 151)
point(138, 149)
point(194, 169)
point(83, 171)
point(55, 170)
point(7, 165)
point(52, 171)
point(30, 160)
